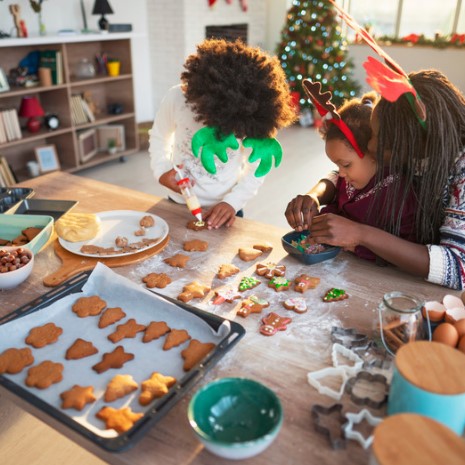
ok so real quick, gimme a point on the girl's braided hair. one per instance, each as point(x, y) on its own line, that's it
point(237, 89)
point(425, 158)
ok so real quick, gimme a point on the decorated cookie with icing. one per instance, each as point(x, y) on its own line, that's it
point(272, 323)
point(279, 283)
point(305, 282)
point(334, 295)
point(248, 282)
point(252, 305)
point(297, 304)
point(225, 295)
point(268, 270)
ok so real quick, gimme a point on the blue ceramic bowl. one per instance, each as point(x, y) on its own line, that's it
point(307, 258)
point(235, 418)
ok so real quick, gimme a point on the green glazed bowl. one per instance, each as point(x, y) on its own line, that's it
point(235, 418)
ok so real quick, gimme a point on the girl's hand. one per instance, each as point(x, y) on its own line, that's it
point(221, 213)
point(336, 230)
point(168, 180)
point(300, 212)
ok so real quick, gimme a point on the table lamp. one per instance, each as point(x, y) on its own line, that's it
point(102, 7)
point(31, 108)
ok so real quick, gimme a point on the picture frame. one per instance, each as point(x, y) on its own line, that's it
point(47, 158)
point(87, 141)
point(4, 86)
point(109, 132)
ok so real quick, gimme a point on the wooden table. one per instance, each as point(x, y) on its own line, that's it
point(281, 361)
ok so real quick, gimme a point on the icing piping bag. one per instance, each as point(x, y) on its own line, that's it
point(191, 199)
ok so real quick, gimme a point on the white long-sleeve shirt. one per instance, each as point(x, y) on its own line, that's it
point(170, 143)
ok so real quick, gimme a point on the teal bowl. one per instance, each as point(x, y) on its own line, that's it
point(235, 418)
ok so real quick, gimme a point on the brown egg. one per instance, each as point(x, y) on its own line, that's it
point(447, 334)
point(436, 311)
point(454, 314)
point(460, 327)
point(461, 345)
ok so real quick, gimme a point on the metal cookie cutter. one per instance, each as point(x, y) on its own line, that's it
point(368, 400)
point(339, 349)
point(348, 337)
point(335, 438)
point(315, 376)
point(355, 419)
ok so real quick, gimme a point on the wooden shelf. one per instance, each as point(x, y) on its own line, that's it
point(105, 91)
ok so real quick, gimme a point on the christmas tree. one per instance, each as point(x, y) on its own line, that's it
point(312, 46)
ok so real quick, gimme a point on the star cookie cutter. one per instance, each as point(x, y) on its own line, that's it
point(337, 441)
point(339, 349)
point(315, 376)
point(355, 419)
point(348, 337)
point(368, 400)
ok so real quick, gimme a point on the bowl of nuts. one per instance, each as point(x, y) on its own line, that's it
point(15, 266)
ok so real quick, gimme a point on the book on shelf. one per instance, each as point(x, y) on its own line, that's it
point(3, 137)
point(52, 59)
point(81, 110)
point(10, 125)
point(7, 177)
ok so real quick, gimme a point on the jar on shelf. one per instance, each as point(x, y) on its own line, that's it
point(85, 69)
point(401, 320)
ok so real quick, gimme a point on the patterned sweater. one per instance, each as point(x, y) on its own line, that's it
point(447, 259)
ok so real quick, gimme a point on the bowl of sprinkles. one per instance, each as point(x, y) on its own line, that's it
point(300, 246)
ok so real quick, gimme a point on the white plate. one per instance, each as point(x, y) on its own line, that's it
point(120, 223)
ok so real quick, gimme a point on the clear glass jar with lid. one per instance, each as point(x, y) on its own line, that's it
point(85, 69)
point(401, 320)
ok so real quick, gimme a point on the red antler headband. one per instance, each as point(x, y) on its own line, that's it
point(326, 108)
point(389, 81)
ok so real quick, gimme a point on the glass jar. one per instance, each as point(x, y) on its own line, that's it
point(85, 69)
point(401, 320)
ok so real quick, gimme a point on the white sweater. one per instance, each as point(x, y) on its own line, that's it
point(170, 143)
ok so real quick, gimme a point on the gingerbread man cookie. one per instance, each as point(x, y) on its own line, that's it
point(175, 338)
point(126, 330)
point(177, 261)
point(154, 387)
point(155, 330)
point(115, 359)
point(119, 386)
point(334, 295)
point(195, 245)
point(80, 349)
point(226, 270)
point(195, 352)
point(297, 304)
point(44, 374)
point(159, 280)
point(305, 282)
point(194, 290)
point(77, 397)
point(43, 335)
point(111, 316)
point(13, 360)
point(273, 323)
point(269, 270)
point(196, 225)
point(120, 420)
point(248, 282)
point(89, 306)
point(279, 284)
point(248, 254)
point(252, 305)
point(225, 295)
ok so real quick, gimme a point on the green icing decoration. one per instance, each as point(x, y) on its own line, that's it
point(206, 140)
point(264, 150)
point(334, 294)
point(279, 282)
point(248, 283)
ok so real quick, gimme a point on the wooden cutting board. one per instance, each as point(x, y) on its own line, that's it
point(73, 264)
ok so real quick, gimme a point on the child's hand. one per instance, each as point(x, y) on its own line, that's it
point(300, 212)
point(336, 230)
point(221, 213)
point(168, 180)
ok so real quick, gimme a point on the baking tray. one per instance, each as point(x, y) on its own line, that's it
point(11, 196)
point(155, 411)
point(53, 208)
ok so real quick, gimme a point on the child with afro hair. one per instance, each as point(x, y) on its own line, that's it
point(236, 90)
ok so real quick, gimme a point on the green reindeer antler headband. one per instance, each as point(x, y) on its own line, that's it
point(213, 143)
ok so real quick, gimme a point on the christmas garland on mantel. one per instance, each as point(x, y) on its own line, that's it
point(454, 41)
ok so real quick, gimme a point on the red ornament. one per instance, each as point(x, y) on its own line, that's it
point(413, 38)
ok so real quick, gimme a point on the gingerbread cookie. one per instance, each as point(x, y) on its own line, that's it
point(154, 387)
point(43, 335)
point(147, 221)
point(225, 295)
point(89, 306)
point(120, 420)
point(194, 290)
point(305, 282)
point(121, 241)
point(44, 374)
point(269, 270)
point(13, 360)
point(196, 225)
point(195, 352)
point(111, 316)
point(159, 280)
point(115, 359)
point(155, 330)
point(279, 284)
point(334, 295)
point(226, 270)
point(273, 323)
point(175, 338)
point(297, 304)
point(119, 386)
point(77, 397)
point(126, 330)
point(248, 282)
point(248, 254)
point(264, 246)
point(177, 261)
point(80, 349)
point(196, 245)
point(252, 305)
